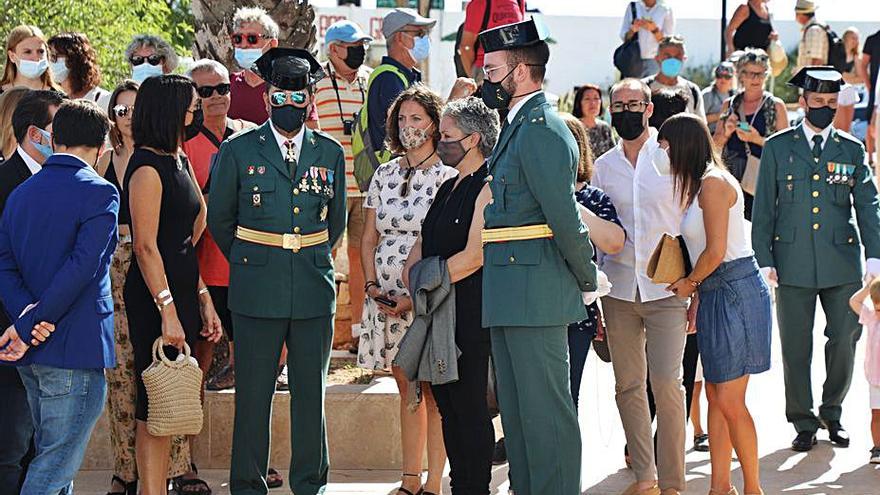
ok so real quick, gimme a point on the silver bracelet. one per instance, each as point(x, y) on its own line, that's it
point(203, 290)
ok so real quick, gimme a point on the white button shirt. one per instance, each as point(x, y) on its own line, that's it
point(662, 16)
point(297, 141)
point(647, 207)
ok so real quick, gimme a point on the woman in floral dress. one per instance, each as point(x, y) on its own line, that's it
point(400, 194)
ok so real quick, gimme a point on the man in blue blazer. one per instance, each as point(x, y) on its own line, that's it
point(57, 235)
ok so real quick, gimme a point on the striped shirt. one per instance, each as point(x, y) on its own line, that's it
point(350, 99)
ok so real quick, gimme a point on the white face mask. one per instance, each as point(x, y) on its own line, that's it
point(59, 69)
point(31, 69)
point(661, 162)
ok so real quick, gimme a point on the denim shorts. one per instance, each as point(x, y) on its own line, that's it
point(734, 322)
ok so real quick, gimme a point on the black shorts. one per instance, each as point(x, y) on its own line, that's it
point(220, 297)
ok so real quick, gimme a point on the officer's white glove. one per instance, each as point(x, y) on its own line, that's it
point(872, 269)
point(770, 277)
point(603, 288)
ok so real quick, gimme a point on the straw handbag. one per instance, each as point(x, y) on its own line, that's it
point(173, 394)
point(667, 263)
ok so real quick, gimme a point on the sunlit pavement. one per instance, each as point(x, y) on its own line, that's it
point(825, 470)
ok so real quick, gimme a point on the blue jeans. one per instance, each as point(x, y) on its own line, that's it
point(65, 405)
point(18, 432)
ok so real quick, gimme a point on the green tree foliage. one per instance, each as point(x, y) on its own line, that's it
point(109, 24)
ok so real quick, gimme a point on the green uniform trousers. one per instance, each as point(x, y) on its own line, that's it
point(795, 310)
point(540, 423)
point(258, 343)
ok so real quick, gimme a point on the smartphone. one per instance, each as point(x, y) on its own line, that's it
point(387, 302)
point(744, 126)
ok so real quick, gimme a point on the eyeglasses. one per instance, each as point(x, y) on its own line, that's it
point(207, 91)
point(487, 72)
point(123, 111)
point(632, 106)
point(748, 74)
point(755, 57)
point(237, 38)
point(279, 98)
point(152, 60)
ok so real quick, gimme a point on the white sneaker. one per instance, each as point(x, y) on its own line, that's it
point(281, 382)
point(875, 455)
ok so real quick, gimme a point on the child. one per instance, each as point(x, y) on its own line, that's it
point(869, 316)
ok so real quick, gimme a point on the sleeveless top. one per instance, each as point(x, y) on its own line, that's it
point(753, 32)
point(764, 122)
point(110, 176)
point(739, 238)
point(445, 233)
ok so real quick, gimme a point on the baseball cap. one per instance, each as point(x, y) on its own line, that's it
point(346, 31)
point(724, 69)
point(398, 18)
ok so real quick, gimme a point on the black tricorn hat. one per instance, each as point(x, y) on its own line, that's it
point(818, 79)
point(514, 35)
point(292, 69)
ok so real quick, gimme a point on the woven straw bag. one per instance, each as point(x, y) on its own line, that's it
point(173, 394)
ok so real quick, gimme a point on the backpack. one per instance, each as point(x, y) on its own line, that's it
point(836, 48)
point(368, 155)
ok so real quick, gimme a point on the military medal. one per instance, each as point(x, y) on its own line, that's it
point(250, 170)
point(257, 200)
point(290, 152)
point(261, 170)
point(330, 176)
point(304, 182)
point(851, 172)
point(313, 172)
point(323, 213)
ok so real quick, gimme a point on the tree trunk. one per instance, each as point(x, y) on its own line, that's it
point(213, 26)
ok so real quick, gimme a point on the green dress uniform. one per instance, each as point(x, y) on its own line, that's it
point(532, 285)
point(803, 226)
point(275, 218)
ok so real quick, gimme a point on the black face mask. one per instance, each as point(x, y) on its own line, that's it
point(821, 117)
point(452, 153)
point(192, 130)
point(494, 94)
point(289, 118)
point(629, 125)
point(355, 56)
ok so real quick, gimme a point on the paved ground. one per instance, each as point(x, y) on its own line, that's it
point(825, 470)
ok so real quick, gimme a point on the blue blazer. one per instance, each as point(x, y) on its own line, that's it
point(57, 237)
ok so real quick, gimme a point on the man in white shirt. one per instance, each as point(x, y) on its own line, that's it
point(646, 324)
point(654, 21)
point(670, 59)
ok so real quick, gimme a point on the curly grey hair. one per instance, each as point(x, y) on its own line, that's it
point(246, 15)
point(471, 115)
point(161, 47)
point(208, 65)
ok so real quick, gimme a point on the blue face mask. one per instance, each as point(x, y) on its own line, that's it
point(421, 48)
point(245, 57)
point(44, 149)
point(671, 67)
point(59, 69)
point(140, 73)
point(31, 69)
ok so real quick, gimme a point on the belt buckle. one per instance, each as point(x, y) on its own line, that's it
point(292, 242)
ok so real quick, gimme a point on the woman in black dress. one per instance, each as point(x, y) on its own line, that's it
point(164, 295)
point(451, 230)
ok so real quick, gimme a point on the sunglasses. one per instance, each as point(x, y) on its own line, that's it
point(123, 110)
point(207, 91)
point(237, 38)
point(152, 60)
point(279, 98)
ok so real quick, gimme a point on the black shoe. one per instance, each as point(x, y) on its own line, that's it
point(837, 434)
point(499, 456)
point(804, 441)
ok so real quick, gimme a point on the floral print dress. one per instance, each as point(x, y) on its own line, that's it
point(399, 222)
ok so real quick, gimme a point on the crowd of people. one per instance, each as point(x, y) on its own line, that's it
point(491, 239)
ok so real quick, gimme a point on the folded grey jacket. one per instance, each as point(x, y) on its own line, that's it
point(427, 352)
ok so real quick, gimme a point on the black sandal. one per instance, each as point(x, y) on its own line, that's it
point(407, 492)
point(193, 486)
point(127, 488)
point(701, 443)
point(278, 482)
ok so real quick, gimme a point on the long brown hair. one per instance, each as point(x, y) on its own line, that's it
point(82, 60)
point(8, 101)
point(16, 36)
point(115, 135)
point(585, 152)
point(691, 153)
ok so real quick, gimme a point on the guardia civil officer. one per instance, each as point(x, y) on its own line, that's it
point(537, 262)
point(277, 204)
point(812, 177)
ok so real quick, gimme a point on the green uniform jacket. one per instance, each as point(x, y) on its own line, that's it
point(803, 226)
point(251, 187)
point(531, 173)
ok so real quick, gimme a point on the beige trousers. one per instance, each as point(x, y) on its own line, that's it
point(647, 339)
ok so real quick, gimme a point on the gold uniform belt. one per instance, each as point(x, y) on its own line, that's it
point(294, 242)
point(523, 233)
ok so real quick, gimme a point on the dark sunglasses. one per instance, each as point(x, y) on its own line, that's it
point(123, 110)
point(279, 98)
point(237, 38)
point(207, 91)
point(152, 60)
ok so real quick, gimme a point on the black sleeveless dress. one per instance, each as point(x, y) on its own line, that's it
point(753, 32)
point(111, 177)
point(179, 209)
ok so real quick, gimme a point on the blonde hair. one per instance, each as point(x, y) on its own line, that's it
point(854, 31)
point(874, 291)
point(8, 101)
point(585, 151)
point(16, 36)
